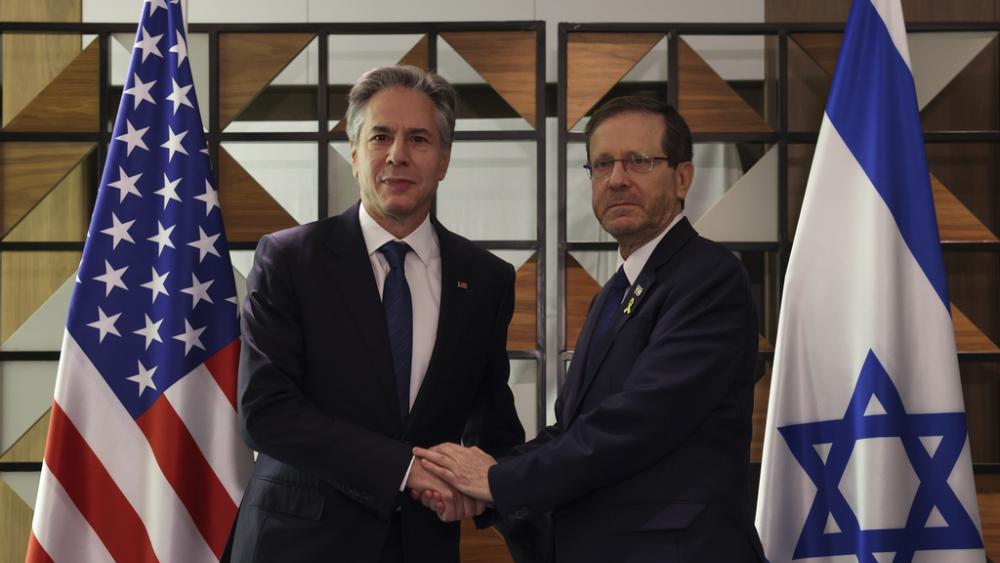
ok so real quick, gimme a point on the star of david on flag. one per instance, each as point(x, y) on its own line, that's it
point(144, 461)
point(866, 455)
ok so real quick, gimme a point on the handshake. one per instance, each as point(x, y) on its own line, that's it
point(451, 480)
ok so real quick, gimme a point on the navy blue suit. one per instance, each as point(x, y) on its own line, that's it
point(648, 460)
point(318, 400)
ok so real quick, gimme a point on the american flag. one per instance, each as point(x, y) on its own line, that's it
point(144, 461)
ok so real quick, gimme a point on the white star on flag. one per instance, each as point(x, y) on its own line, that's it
point(210, 197)
point(153, 5)
point(148, 44)
point(151, 332)
point(162, 237)
point(180, 48)
point(235, 301)
point(133, 138)
point(205, 244)
point(105, 324)
point(180, 96)
point(173, 143)
point(140, 92)
point(126, 184)
point(169, 190)
point(198, 290)
point(145, 377)
point(118, 231)
point(191, 337)
point(157, 284)
point(111, 278)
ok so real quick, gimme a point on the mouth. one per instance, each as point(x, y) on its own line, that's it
point(620, 204)
point(399, 183)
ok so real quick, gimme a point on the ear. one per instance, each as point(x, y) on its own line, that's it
point(683, 176)
point(443, 165)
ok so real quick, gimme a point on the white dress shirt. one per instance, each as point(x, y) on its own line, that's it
point(423, 275)
point(637, 260)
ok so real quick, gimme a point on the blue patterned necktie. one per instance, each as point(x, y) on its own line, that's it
point(612, 308)
point(399, 319)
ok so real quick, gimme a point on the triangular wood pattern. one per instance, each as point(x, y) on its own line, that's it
point(595, 62)
point(30, 170)
point(63, 214)
point(522, 332)
point(30, 446)
point(482, 545)
point(506, 60)
point(248, 62)
point(69, 102)
point(763, 344)
point(16, 528)
point(707, 102)
point(248, 211)
point(955, 222)
point(968, 337)
point(580, 290)
point(823, 48)
point(28, 279)
point(417, 56)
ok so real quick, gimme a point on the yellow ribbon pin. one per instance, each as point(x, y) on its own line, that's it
point(628, 308)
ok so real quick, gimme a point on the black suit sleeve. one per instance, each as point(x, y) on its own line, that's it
point(494, 426)
point(700, 340)
point(276, 416)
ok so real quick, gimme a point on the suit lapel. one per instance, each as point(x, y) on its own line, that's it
point(351, 269)
point(667, 247)
point(451, 315)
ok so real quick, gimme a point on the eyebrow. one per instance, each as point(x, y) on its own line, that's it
point(414, 131)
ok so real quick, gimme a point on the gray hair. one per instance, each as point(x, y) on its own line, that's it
point(384, 77)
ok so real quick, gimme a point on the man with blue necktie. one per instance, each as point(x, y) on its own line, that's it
point(648, 460)
point(366, 334)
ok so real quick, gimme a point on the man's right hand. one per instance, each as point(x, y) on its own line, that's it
point(439, 496)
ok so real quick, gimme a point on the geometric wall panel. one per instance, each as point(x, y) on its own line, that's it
point(521, 334)
point(64, 212)
point(31, 445)
point(937, 58)
point(748, 212)
point(43, 330)
point(482, 545)
point(28, 170)
point(506, 60)
point(707, 102)
point(968, 337)
point(955, 222)
point(595, 62)
point(250, 61)
point(16, 518)
point(27, 279)
point(580, 291)
point(249, 212)
point(69, 102)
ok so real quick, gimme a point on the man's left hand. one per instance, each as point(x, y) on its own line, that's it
point(465, 469)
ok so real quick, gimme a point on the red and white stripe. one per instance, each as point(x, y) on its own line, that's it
point(163, 487)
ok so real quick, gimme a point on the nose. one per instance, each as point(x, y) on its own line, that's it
point(398, 151)
point(619, 177)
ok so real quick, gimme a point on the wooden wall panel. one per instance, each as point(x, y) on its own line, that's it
point(706, 100)
point(580, 290)
point(988, 491)
point(63, 214)
point(522, 332)
point(31, 445)
point(482, 546)
point(15, 525)
point(68, 102)
point(248, 62)
point(506, 59)
point(248, 211)
point(27, 279)
point(597, 61)
point(30, 170)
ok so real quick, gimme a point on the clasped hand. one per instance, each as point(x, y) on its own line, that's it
point(451, 480)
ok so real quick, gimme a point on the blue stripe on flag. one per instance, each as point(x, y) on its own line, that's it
point(873, 106)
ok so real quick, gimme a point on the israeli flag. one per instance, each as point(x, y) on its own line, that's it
point(866, 456)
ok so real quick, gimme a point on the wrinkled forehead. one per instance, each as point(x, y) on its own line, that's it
point(628, 132)
point(400, 109)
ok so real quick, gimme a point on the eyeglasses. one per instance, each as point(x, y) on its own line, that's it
point(634, 164)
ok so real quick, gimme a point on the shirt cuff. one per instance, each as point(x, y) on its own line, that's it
point(406, 477)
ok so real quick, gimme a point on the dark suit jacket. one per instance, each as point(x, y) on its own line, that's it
point(317, 396)
point(648, 460)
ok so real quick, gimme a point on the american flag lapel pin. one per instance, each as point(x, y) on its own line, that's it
point(463, 285)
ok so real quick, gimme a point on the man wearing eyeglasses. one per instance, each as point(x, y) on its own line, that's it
point(649, 458)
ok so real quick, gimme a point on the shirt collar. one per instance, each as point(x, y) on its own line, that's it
point(637, 260)
point(423, 240)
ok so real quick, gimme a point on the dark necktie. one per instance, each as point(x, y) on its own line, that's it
point(612, 308)
point(399, 319)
